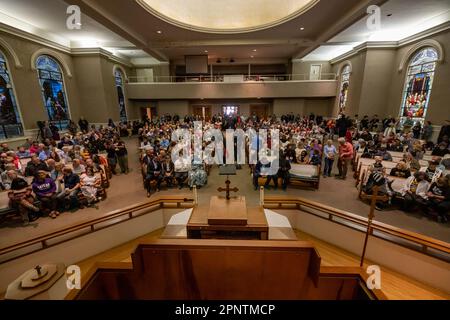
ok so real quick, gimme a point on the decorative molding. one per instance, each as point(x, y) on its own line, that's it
point(56, 46)
point(100, 52)
point(34, 38)
point(394, 44)
point(422, 44)
point(9, 50)
point(53, 54)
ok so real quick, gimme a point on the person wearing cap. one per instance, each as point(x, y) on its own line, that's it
point(414, 191)
point(45, 189)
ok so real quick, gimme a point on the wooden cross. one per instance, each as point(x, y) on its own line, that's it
point(375, 197)
point(38, 270)
point(227, 189)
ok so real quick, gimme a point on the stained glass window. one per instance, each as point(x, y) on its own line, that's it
point(419, 81)
point(10, 122)
point(343, 93)
point(52, 86)
point(230, 110)
point(120, 92)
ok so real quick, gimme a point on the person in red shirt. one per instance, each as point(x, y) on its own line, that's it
point(345, 158)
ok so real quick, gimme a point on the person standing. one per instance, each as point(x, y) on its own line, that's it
point(122, 156)
point(330, 154)
point(83, 124)
point(111, 156)
point(345, 157)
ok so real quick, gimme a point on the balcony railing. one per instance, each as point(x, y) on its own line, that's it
point(232, 78)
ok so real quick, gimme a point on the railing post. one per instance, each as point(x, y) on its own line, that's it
point(194, 190)
point(261, 196)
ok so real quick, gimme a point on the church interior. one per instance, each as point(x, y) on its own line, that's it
point(224, 150)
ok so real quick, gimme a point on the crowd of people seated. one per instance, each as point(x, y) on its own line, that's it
point(421, 167)
point(53, 176)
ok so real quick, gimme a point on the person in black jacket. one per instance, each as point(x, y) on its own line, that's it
point(21, 198)
point(154, 173)
point(83, 124)
point(283, 172)
point(34, 166)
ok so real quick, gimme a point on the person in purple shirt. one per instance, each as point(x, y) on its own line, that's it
point(45, 189)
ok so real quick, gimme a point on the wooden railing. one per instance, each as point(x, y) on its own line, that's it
point(115, 217)
point(411, 240)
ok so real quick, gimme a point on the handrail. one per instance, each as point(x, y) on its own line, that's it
point(220, 78)
point(159, 202)
point(424, 241)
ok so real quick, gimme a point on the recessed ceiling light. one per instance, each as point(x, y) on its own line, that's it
point(206, 51)
point(159, 31)
point(252, 57)
point(302, 28)
point(254, 50)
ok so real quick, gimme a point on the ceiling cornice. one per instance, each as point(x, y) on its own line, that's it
point(32, 37)
point(392, 44)
point(61, 48)
point(100, 52)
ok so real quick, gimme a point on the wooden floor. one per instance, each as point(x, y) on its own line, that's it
point(394, 285)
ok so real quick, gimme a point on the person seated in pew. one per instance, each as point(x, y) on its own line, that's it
point(78, 168)
point(22, 153)
point(181, 169)
point(168, 170)
point(401, 170)
point(414, 191)
point(315, 159)
point(5, 180)
point(377, 166)
point(90, 183)
point(90, 164)
point(154, 173)
point(45, 189)
point(377, 178)
point(432, 171)
point(383, 153)
point(65, 142)
point(440, 150)
point(71, 189)
point(34, 166)
point(21, 198)
point(438, 199)
point(303, 158)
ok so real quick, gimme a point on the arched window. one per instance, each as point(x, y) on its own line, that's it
point(345, 83)
point(418, 84)
point(120, 92)
point(52, 85)
point(10, 123)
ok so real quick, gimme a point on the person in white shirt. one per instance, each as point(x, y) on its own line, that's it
point(414, 191)
point(330, 153)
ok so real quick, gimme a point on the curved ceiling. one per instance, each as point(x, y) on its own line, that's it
point(230, 16)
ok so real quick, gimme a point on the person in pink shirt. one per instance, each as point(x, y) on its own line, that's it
point(345, 158)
